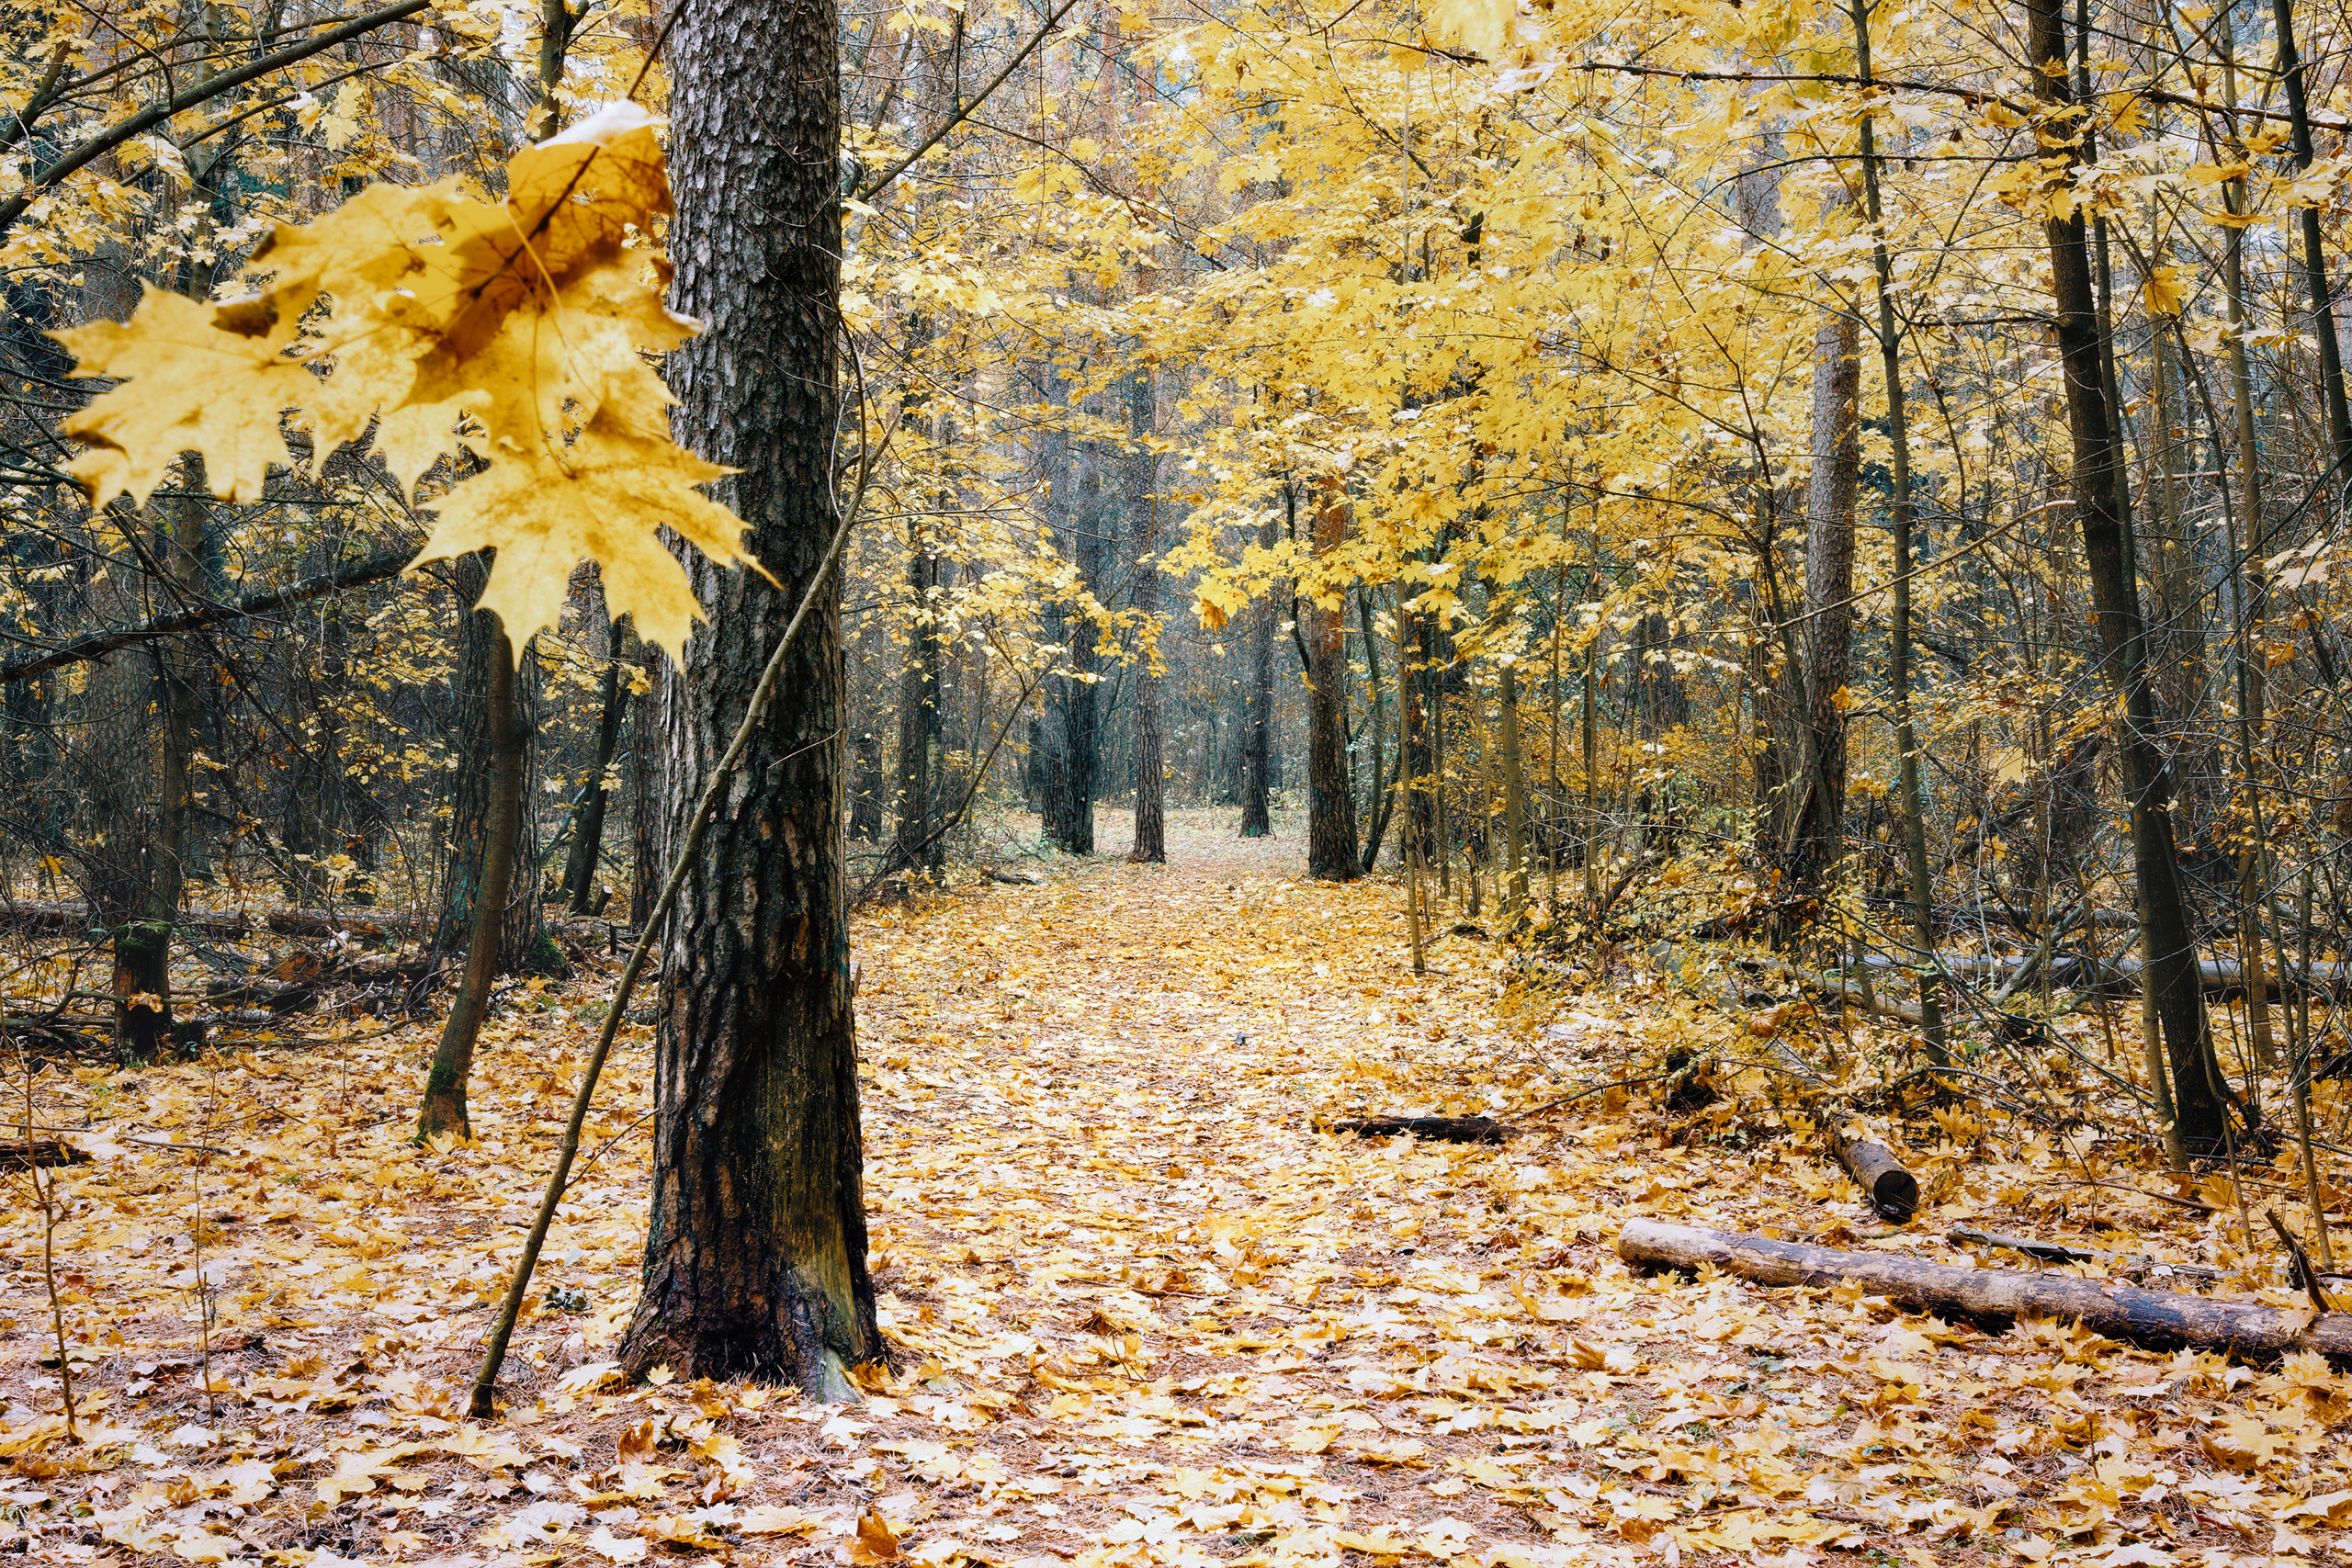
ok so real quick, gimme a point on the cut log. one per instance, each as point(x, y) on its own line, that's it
point(1996, 1298)
point(1445, 1129)
point(1893, 1190)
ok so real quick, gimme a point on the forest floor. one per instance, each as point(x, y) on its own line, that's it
point(1145, 1311)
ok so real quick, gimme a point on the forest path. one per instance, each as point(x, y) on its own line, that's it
point(1145, 1312)
point(1152, 1315)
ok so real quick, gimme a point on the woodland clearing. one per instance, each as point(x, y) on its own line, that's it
point(1143, 1311)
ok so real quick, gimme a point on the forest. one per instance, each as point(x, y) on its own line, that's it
point(1040, 782)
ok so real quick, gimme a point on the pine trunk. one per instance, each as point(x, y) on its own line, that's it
point(756, 1251)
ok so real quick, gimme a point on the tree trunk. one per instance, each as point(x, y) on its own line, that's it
point(1258, 720)
point(865, 788)
point(645, 795)
point(1588, 738)
point(444, 1110)
point(588, 832)
point(920, 844)
point(1331, 794)
point(2178, 1005)
point(755, 1249)
point(142, 1030)
point(2331, 363)
point(1514, 797)
point(1814, 806)
point(1151, 762)
point(1907, 744)
point(481, 646)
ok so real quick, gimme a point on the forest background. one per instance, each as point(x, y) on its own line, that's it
point(1866, 481)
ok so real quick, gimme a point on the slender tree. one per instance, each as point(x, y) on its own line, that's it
point(588, 830)
point(1330, 794)
point(1258, 720)
point(2171, 978)
point(1151, 765)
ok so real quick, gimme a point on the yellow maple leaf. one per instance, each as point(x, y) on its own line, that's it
point(134, 437)
point(599, 495)
point(514, 331)
point(876, 1542)
point(1482, 27)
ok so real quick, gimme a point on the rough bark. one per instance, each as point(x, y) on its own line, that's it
point(755, 1249)
point(1996, 1298)
point(1814, 807)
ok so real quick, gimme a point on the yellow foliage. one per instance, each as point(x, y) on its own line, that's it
point(456, 329)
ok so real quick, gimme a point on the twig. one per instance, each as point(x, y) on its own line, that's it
point(874, 186)
point(481, 1405)
point(1589, 1092)
point(2302, 1261)
point(44, 1192)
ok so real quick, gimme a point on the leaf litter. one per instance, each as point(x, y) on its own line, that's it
point(1144, 1311)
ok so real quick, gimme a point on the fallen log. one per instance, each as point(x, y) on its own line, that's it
point(1893, 1190)
point(1443, 1129)
point(18, 1153)
point(1994, 1299)
point(31, 914)
point(299, 980)
point(26, 914)
point(2217, 975)
point(1860, 993)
